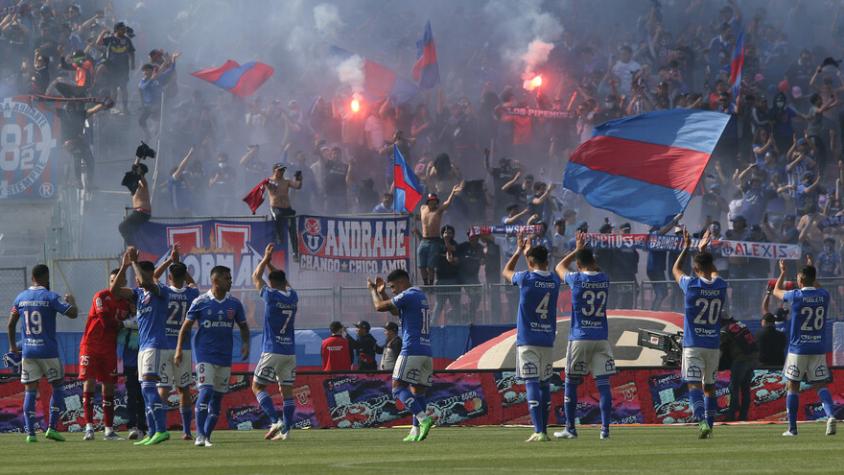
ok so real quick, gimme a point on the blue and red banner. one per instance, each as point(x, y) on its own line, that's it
point(407, 191)
point(240, 80)
point(645, 167)
point(426, 71)
point(736, 67)
point(30, 134)
point(371, 245)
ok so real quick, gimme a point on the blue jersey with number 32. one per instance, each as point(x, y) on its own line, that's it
point(536, 323)
point(415, 322)
point(178, 303)
point(37, 308)
point(704, 301)
point(279, 317)
point(589, 293)
point(809, 307)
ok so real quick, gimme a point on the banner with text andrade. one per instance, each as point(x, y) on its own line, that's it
point(29, 145)
point(655, 242)
point(238, 245)
point(364, 245)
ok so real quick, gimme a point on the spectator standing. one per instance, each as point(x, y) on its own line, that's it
point(363, 347)
point(626, 263)
point(470, 257)
point(771, 343)
point(336, 355)
point(392, 347)
point(119, 59)
point(739, 353)
point(448, 274)
point(385, 206)
point(136, 415)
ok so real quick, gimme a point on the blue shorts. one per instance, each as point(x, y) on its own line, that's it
point(427, 252)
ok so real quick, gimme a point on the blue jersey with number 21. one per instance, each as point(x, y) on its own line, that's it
point(178, 303)
point(589, 293)
point(808, 320)
point(415, 322)
point(536, 323)
point(704, 301)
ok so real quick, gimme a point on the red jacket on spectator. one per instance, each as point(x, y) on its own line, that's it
point(335, 354)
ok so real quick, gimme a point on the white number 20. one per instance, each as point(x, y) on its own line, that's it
point(710, 318)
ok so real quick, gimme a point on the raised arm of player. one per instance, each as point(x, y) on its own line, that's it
point(258, 275)
point(379, 297)
point(779, 287)
point(510, 267)
point(565, 262)
point(184, 334)
point(146, 281)
point(171, 259)
point(115, 289)
point(677, 270)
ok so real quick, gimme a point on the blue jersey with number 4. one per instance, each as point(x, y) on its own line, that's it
point(212, 342)
point(152, 317)
point(279, 317)
point(704, 301)
point(589, 293)
point(415, 322)
point(536, 323)
point(37, 308)
point(178, 303)
point(809, 307)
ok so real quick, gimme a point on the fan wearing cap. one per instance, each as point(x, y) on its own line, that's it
point(392, 347)
point(278, 189)
point(429, 249)
point(364, 347)
point(120, 59)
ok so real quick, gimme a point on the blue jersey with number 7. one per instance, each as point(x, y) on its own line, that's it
point(415, 319)
point(589, 293)
point(536, 323)
point(809, 307)
point(704, 301)
point(279, 318)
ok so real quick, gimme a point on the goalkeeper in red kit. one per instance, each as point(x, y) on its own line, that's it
point(98, 355)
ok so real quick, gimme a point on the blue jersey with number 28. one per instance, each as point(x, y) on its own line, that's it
point(704, 301)
point(809, 307)
point(536, 323)
point(415, 319)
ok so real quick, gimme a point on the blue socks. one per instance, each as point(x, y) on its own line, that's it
point(411, 402)
point(213, 413)
point(826, 401)
point(156, 416)
point(603, 383)
point(29, 399)
point(696, 401)
point(792, 404)
point(266, 403)
point(187, 415)
point(535, 404)
point(570, 404)
point(202, 402)
point(711, 404)
point(288, 410)
point(545, 389)
point(56, 404)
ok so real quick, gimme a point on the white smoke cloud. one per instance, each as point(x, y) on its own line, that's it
point(536, 55)
point(327, 18)
point(350, 73)
point(528, 32)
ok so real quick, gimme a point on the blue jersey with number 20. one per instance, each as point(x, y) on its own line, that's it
point(589, 293)
point(536, 323)
point(415, 322)
point(704, 301)
point(808, 320)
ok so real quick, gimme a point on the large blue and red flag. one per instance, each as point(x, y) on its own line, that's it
point(426, 71)
point(380, 81)
point(736, 66)
point(645, 167)
point(407, 192)
point(240, 80)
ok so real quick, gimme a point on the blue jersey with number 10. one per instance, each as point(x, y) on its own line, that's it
point(415, 322)
point(809, 307)
point(37, 308)
point(178, 303)
point(589, 293)
point(279, 318)
point(536, 323)
point(704, 301)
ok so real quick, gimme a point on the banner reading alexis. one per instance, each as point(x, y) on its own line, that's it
point(654, 242)
point(205, 244)
point(371, 245)
point(28, 147)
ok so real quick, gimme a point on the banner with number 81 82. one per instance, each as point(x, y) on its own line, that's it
point(28, 139)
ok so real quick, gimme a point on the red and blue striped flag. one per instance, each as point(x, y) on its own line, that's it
point(407, 192)
point(426, 71)
point(736, 66)
point(240, 80)
point(645, 167)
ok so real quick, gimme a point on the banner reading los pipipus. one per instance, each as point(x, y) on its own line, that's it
point(29, 145)
point(366, 245)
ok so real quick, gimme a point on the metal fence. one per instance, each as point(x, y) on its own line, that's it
point(12, 281)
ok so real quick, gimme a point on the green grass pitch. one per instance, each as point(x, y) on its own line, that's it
point(733, 449)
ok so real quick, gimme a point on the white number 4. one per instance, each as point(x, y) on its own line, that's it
point(542, 308)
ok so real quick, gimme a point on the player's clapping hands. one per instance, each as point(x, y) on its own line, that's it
point(580, 241)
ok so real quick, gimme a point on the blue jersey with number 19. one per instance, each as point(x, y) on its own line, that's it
point(536, 323)
point(589, 293)
point(178, 303)
point(415, 322)
point(809, 307)
point(279, 318)
point(702, 322)
point(37, 308)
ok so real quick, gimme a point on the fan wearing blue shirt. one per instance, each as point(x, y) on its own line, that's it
point(216, 313)
point(536, 329)
point(38, 307)
point(588, 348)
point(807, 346)
point(705, 296)
point(278, 349)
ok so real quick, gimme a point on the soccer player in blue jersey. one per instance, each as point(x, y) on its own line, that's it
point(705, 296)
point(278, 349)
point(414, 368)
point(588, 349)
point(182, 293)
point(536, 329)
point(807, 346)
point(151, 301)
point(216, 313)
point(38, 307)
